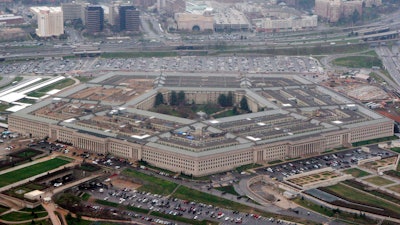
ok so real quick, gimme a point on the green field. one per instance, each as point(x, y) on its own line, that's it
point(346, 217)
point(85, 196)
point(151, 184)
point(21, 216)
point(355, 172)
point(379, 181)
point(3, 209)
point(352, 194)
point(116, 205)
point(29, 171)
point(358, 61)
point(228, 189)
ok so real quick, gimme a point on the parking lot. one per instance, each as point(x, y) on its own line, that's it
point(176, 207)
point(339, 160)
point(189, 63)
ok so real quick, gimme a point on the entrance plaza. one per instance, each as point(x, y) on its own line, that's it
point(290, 117)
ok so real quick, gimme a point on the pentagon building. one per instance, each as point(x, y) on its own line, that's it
point(291, 118)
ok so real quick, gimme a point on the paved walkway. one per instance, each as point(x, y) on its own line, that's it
point(50, 208)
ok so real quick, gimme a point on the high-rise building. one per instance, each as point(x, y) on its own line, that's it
point(72, 11)
point(129, 18)
point(50, 21)
point(94, 18)
point(333, 10)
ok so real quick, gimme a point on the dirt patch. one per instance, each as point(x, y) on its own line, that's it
point(121, 184)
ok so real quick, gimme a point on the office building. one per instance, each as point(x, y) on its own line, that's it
point(333, 10)
point(50, 21)
point(291, 117)
point(94, 18)
point(129, 19)
point(72, 11)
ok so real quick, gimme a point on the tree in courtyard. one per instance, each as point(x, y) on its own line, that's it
point(244, 105)
point(174, 98)
point(235, 111)
point(229, 99)
point(222, 100)
point(181, 98)
point(355, 16)
point(159, 99)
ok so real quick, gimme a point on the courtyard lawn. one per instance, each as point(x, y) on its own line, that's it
point(355, 172)
point(379, 181)
point(29, 171)
point(151, 184)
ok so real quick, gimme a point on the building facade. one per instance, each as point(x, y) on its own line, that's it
point(129, 19)
point(287, 24)
point(73, 11)
point(333, 10)
point(194, 22)
point(94, 18)
point(280, 126)
point(50, 21)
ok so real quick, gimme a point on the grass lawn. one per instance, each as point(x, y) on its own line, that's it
point(58, 85)
point(358, 61)
point(84, 79)
point(3, 208)
point(85, 197)
point(397, 149)
point(360, 196)
point(82, 222)
point(116, 205)
point(189, 194)
point(395, 188)
point(346, 217)
point(372, 141)
point(36, 209)
point(275, 162)
point(3, 107)
point(20, 216)
point(27, 100)
point(246, 167)
point(380, 181)
point(42, 222)
point(107, 203)
point(228, 189)
point(151, 184)
point(355, 172)
point(225, 114)
point(28, 153)
point(29, 171)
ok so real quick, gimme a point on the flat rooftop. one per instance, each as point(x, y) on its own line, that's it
point(297, 108)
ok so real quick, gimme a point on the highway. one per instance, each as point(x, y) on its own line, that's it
point(391, 62)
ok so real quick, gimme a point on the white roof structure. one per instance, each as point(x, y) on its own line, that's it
point(16, 108)
point(12, 97)
point(33, 195)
